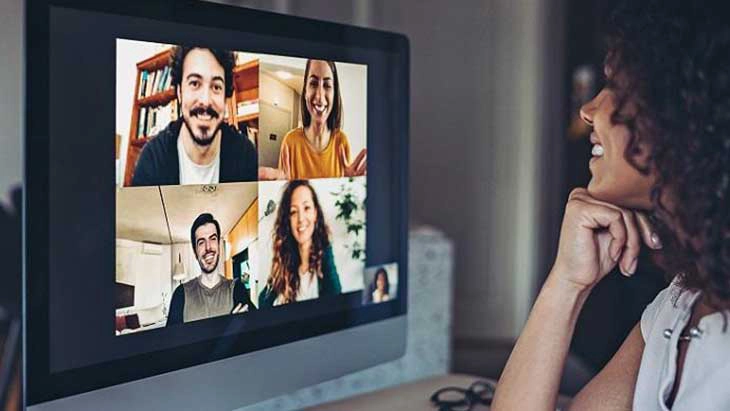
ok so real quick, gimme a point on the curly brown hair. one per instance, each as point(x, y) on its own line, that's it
point(669, 61)
point(284, 278)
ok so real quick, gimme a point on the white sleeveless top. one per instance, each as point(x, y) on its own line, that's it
point(705, 383)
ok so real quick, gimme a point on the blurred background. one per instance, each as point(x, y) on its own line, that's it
point(495, 147)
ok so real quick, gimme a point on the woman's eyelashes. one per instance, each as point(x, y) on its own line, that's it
point(314, 83)
point(305, 208)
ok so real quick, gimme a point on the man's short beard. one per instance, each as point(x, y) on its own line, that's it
point(212, 270)
point(203, 142)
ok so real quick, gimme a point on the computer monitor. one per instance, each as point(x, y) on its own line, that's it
point(245, 232)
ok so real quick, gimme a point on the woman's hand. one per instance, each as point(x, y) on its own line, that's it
point(595, 237)
point(270, 173)
point(357, 167)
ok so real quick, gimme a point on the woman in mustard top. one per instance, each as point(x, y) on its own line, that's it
point(319, 149)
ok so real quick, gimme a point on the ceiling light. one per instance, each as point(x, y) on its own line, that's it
point(284, 75)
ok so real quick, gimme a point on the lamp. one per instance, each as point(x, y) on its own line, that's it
point(178, 270)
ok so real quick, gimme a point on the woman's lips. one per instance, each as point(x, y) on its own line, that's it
point(319, 108)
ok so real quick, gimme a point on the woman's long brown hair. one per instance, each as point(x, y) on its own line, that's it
point(284, 278)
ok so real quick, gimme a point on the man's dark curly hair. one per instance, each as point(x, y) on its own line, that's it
point(669, 64)
point(224, 57)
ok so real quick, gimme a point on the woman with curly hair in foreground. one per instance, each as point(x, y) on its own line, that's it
point(661, 149)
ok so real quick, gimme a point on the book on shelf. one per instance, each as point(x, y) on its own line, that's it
point(168, 79)
point(162, 80)
point(142, 84)
point(153, 82)
point(140, 122)
point(245, 108)
point(152, 120)
point(148, 90)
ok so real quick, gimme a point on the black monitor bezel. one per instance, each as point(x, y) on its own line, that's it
point(40, 384)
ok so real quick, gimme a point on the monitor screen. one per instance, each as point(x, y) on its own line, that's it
point(253, 194)
point(199, 233)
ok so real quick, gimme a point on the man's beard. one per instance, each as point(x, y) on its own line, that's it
point(214, 267)
point(206, 139)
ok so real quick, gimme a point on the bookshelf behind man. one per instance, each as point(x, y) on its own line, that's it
point(155, 104)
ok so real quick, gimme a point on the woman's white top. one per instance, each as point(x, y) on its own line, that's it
point(705, 381)
point(380, 297)
point(308, 288)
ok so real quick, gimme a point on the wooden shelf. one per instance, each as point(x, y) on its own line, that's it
point(157, 99)
point(246, 77)
point(247, 95)
point(248, 117)
point(156, 62)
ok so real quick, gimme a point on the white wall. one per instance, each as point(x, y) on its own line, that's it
point(277, 94)
point(192, 268)
point(150, 274)
point(353, 87)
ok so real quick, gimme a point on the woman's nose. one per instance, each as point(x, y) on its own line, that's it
point(588, 110)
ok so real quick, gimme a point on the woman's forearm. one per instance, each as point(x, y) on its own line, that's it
point(531, 378)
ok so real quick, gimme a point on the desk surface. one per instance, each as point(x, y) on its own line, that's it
point(414, 396)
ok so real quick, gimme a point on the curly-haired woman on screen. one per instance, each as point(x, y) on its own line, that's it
point(303, 266)
point(661, 147)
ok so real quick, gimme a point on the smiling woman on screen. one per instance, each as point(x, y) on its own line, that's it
point(318, 149)
point(303, 265)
